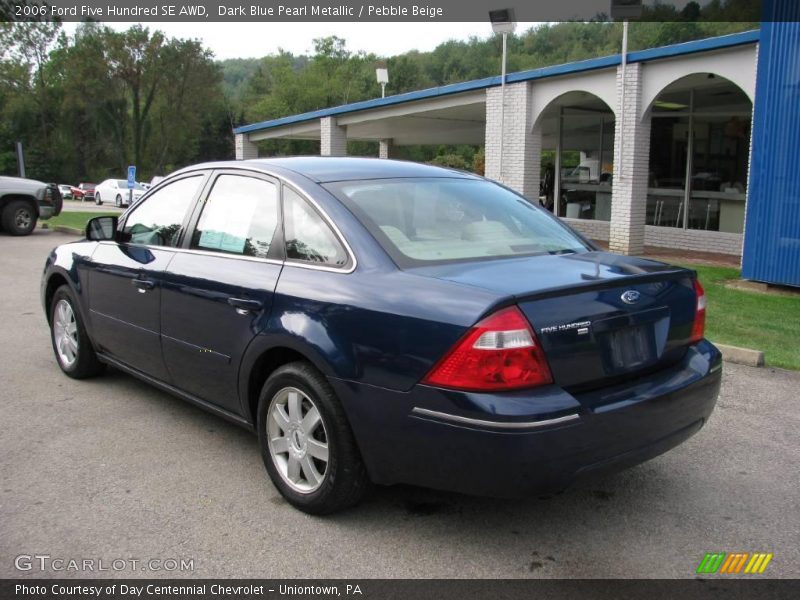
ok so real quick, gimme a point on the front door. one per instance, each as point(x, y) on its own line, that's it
point(126, 276)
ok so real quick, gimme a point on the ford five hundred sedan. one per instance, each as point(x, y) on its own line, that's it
point(388, 322)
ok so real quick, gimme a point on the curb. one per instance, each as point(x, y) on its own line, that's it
point(742, 356)
point(65, 229)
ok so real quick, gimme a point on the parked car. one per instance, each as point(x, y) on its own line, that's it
point(117, 190)
point(388, 322)
point(77, 193)
point(24, 201)
point(66, 191)
point(87, 189)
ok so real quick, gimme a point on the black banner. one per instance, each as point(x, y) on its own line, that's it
point(385, 589)
point(358, 10)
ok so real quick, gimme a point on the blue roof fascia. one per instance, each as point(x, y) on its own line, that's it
point(715, 43)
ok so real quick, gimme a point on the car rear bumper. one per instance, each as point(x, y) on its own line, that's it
point(523, 443)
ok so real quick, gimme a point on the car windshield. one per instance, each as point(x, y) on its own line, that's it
point(434, 220)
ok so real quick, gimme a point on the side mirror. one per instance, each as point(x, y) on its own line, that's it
point(101, 229)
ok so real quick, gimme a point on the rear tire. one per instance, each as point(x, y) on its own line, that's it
point(19, 217)
point(118, 201)
point(71, 344)
point(306, 442)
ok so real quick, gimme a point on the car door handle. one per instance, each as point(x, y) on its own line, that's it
point(143, 284)
point(244, 306)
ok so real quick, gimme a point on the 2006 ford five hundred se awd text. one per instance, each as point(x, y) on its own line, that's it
point(384, 321)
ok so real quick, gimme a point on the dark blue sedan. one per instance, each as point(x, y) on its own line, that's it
point(387, 322)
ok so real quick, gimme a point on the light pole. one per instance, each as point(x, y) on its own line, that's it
point(503, 23)
point(382, 73)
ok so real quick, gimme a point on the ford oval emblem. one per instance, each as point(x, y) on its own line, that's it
point(630, 297)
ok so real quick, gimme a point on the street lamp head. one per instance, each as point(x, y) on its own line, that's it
point(626, 9)
point(381, 72)
point(502, 20)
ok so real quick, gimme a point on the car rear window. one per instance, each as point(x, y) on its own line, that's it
point(435, 220)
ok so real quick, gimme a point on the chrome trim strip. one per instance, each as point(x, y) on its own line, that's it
point(331, 224)
point(424, 412)
point(271, 261)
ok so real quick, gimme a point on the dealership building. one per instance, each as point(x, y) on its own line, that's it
point(694, 146)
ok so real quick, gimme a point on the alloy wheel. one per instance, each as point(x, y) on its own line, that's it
point(298, 442)
point(65, 333)
point(23, 218)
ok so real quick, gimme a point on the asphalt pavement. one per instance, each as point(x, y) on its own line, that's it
point(86, 206)
point(111, 469)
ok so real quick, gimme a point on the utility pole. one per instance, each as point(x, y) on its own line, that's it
point(20, 160)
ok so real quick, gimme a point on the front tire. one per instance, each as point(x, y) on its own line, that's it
point(71, 344)
point(306, 443)
point(97, 199)
point(118, 201)
point(19, 217)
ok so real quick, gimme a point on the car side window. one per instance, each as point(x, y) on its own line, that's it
point(308, 236)
point(239, 217)
point(157, 221)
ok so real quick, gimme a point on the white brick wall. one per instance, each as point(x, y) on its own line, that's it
point(668, 237)
point(631, 158)
point(698, 240)
point(521, 146)
point(245, 149)
point(333, 138)
point(594, 230)
point(384, 148)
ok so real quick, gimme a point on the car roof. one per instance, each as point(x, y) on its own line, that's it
point(323, 169)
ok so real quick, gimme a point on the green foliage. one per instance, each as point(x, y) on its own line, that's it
point(86, 107)
point(766, 322)
point(453, 161)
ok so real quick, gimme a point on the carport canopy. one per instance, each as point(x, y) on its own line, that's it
point(453, 119)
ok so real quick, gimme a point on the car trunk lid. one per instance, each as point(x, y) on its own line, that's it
point(599, 317)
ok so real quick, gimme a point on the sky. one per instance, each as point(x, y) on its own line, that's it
point(244, 40)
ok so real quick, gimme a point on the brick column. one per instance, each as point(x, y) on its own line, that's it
point(245, 149)
point(384, 148)
point(521, 144)
point(333, 138)
point(631, 164)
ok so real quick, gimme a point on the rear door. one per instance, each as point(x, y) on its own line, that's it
point(125, 277)
point(218, 290)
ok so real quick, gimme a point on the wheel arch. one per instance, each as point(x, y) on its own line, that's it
point(262, 358)
point(8, 198)
point(54, 280)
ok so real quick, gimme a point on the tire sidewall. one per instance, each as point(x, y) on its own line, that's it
point(297, 376)
point(97, 199)
point(10, 218)
point(84, 344)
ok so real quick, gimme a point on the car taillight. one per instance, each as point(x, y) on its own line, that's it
point(699, 326)
point(499, 353)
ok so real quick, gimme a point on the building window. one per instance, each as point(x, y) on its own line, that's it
point(577, 157)
point(699, 150)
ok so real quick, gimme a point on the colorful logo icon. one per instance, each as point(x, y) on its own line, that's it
point(734, 563)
